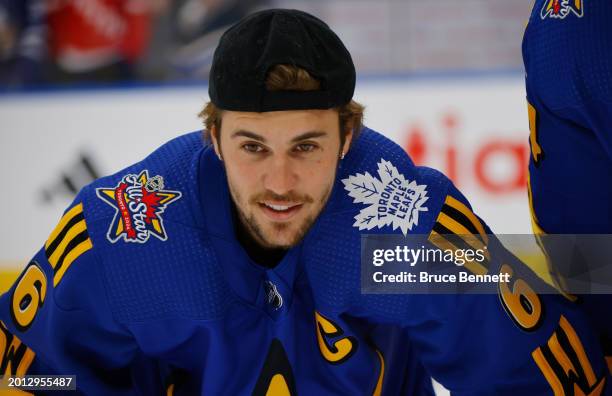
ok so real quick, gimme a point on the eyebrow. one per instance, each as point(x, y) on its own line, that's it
point(308, 135)
point(259, 138)
point(248, 134)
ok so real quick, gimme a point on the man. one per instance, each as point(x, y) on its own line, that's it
point(233, 267)
point(566, 51)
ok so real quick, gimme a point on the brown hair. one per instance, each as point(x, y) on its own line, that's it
point(292, 78)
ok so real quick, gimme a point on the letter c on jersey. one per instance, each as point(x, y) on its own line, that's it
point(339, 351)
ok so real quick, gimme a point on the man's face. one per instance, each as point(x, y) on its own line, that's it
point(280, 168)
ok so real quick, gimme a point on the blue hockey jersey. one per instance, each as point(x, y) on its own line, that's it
point(568, 64)
point(142, 289)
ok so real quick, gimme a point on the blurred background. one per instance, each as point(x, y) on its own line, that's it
point(88, 87)
point(72, 42)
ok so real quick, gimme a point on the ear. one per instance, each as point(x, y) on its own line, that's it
point(348, 138)
point(215, 142)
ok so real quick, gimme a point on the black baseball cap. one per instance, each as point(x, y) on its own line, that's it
point(248, 49)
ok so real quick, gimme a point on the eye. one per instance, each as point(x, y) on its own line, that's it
point(253, 148)
point(305, 147)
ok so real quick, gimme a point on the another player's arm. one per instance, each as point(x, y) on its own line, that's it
point(512, 341)
point(55, 320)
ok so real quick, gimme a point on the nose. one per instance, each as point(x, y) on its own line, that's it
point(280, 177)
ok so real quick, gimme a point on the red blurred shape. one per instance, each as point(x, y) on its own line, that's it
point(415, 145)
point(517, 151)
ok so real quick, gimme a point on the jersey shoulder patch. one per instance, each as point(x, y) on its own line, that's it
point(147, 234)
point(135, 205)
point(385, 190)
point(378, 191)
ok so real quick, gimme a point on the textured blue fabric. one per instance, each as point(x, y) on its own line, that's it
point(192, 309)
point(568, 67)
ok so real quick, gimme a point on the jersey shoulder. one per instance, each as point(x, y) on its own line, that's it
point(378, 191)
point(144, 224)
point(566, 53)
point(380, 185)
point(164, 181)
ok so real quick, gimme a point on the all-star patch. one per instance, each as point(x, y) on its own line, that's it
point(559, 9)
point(392, 199)
point(139, 201)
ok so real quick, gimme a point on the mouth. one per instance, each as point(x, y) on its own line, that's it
point(277, 211)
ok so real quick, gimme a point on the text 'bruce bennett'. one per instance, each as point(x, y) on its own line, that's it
point(425, 277)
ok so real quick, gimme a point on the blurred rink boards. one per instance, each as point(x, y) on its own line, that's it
point(474, 128)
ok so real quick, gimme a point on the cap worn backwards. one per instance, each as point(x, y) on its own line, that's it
point(248, 50)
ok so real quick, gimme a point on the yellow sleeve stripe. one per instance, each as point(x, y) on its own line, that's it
point(69, 259)
point(579, 349)
point(74, 211)
point(457, 228)
point(535, 224)
point(26, 361)
point(548, 372)
point(70, 235)
point(536, 150)
point(563, 361)
point(444, 244)
point(560, 355)
point(67, 242)
point(469, 219)
point(15, 357)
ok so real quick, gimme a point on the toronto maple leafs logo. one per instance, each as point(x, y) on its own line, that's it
point(394, 201)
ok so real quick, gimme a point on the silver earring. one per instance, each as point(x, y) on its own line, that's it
point(342, 156)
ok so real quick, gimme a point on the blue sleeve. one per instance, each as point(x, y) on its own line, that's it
point(515, 341)
point(55, 318)
point(568, 65)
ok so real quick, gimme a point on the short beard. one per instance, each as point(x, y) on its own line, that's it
point(257, 234)
point(253, 228)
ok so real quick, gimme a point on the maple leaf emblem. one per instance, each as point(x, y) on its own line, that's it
point(393, 200)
